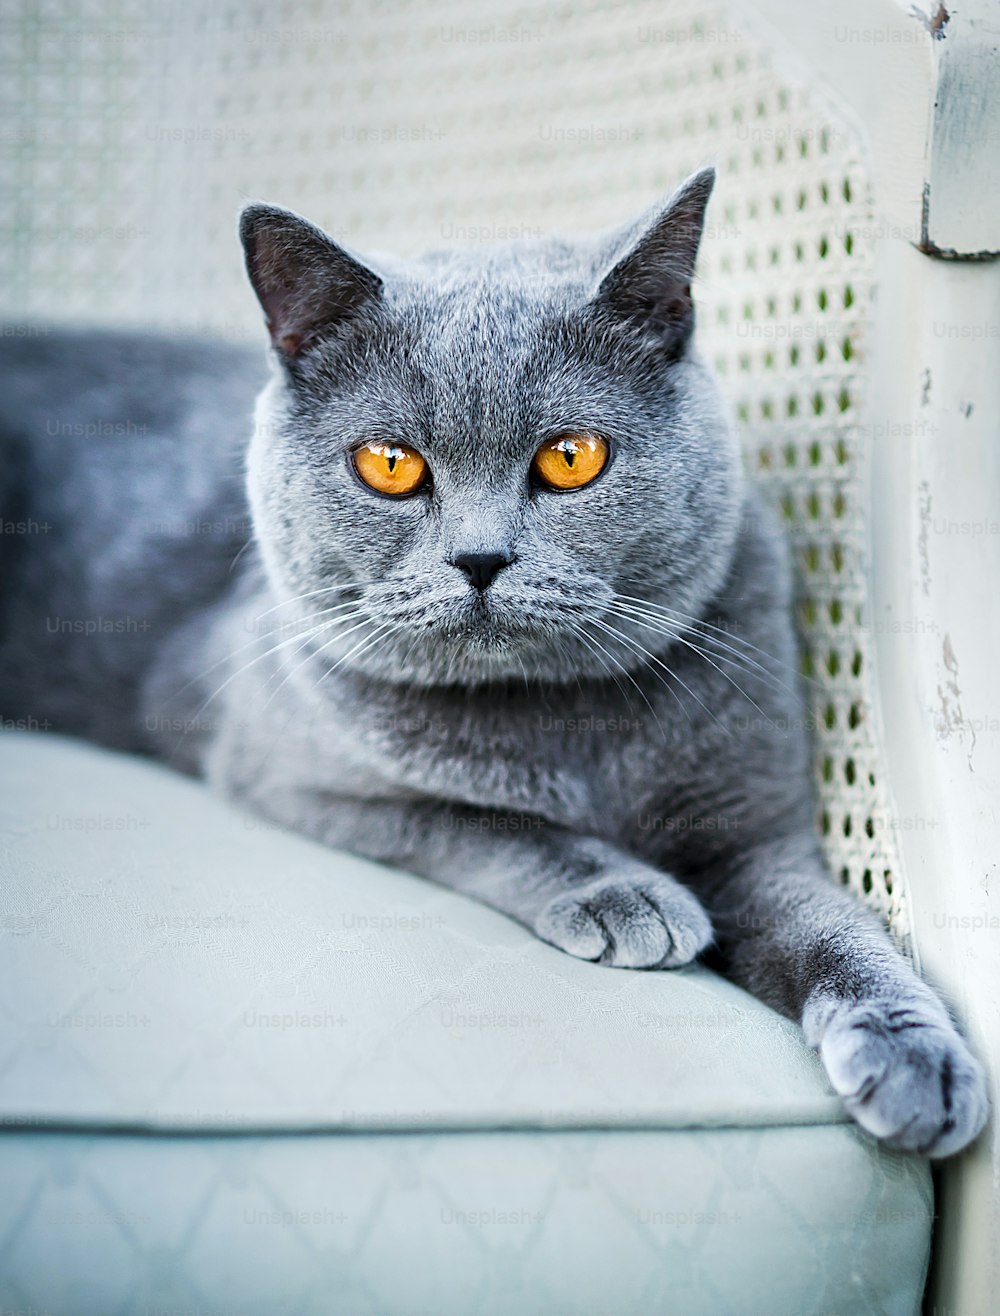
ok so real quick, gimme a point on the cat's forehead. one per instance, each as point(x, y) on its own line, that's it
point(485, 334)
point(487, 348)
point(494, 293)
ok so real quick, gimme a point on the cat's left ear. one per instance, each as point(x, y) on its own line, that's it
point(305, 283)
point(650, 286)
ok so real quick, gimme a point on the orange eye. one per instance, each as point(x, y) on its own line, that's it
point(570, 461)
point(391, 468)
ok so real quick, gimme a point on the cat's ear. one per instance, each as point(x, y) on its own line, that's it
point(303, 280)
point(650, 285)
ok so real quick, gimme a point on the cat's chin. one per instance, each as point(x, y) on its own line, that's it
point(482, 657)
point(471, 654)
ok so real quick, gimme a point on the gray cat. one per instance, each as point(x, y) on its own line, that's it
point(510, 616)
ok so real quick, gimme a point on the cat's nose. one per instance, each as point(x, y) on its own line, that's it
point(481, 568)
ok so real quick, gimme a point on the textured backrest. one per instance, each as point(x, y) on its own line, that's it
point(134, 135)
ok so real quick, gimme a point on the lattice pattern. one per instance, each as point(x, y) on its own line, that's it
point(400, 125)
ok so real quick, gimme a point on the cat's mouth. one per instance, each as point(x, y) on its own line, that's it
point(466, 636)
point(485, 626)
point(477, 630)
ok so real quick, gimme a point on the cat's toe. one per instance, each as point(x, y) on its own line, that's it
point(650, 923)
point(907, 1077)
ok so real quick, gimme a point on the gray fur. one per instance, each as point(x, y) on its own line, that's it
point(628, 779)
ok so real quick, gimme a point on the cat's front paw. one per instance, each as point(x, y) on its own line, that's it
point(647, 922)
point(906, 1076)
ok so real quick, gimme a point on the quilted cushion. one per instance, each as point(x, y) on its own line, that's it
point(241, 1072)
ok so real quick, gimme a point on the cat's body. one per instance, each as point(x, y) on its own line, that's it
point(576, 705)
point(148, 580)
point(123, 462)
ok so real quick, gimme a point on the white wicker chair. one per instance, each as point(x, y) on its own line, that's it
point(845, 296)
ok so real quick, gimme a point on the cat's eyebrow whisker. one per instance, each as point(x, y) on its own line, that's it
point(677, 632)
point(637, 648)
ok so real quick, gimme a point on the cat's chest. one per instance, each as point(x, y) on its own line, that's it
point(582, 756)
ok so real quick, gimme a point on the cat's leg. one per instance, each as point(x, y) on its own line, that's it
point(578, 893)
point(809, 949)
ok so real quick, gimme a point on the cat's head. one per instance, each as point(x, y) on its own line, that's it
point(470, 459)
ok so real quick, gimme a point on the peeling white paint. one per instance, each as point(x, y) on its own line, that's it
point(923, 537)
point(949, 719)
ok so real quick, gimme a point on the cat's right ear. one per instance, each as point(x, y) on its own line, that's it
point(303, 280)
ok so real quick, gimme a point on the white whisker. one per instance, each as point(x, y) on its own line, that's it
point(590, 641)
point(637, 648)
point(293, 668)
point(656, 619)
point(274, 648)
point(687, 620)
point(309, 594)
point(257, 639)
point(734, 683)
point(682, 639)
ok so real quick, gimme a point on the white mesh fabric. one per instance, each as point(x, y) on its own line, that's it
point(132, 136)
